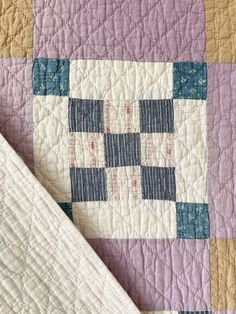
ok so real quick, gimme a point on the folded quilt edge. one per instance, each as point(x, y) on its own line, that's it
point(47, 264)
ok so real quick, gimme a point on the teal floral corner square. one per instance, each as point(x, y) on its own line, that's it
point(51, 77)
point(192, 221)
point(190, 80)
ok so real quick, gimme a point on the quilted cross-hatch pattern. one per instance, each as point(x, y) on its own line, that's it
point(125, 113)
point(131, 170)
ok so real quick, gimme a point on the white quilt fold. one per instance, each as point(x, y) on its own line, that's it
point(46, 266)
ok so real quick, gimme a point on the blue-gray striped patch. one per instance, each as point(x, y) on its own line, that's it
point(158, 183)
point(122, 149)
point(156, 116)
point(85, 115)
point(88, 184)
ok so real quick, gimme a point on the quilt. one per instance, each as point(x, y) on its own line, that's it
point(118, 156)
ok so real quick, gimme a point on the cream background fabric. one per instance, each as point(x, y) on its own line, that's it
point(46, 266)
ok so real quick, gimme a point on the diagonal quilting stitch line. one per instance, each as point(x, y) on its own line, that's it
point(87, 75)
point(136, 25)
point(119, 43)
point(78, 46)
point(103, 24)
point(172, 271)
point(14, 75)
point(137, 232)
point(124, 219)
point(154, 253)
point(51, 113)
point(129, 69)
point(50, 147)
point(53, 222)
point(155, 42)
point(154, 287)
point(214, 140)
point(73, 30)
point(189, 151)
point(222, 186)
point(142, 276)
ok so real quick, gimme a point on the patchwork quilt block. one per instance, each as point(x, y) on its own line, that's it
point(124, 111)
point(137, 166)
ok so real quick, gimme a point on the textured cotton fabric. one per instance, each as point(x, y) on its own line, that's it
point(124, 114)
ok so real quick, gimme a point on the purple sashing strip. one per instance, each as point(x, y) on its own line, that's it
point(160, 274)
point(221, 124)
point(143, 30)
point(16, 117)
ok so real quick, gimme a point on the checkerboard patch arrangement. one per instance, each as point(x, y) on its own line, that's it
point(134, 147)
point(125, 113)
point(134, 152)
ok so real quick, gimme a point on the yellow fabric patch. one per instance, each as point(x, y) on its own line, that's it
point(16, 28)
point(221, 30)
point(223, 274)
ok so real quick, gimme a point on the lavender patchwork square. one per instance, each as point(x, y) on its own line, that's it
point(85, 115)
point(120, 30)
point(16, 108)
point(221, 133)
point(195, 312)
point(192, 221)
point(122, 149)
point(160, 273)
point(158, 183)
point(88, 184)
point(157, 116)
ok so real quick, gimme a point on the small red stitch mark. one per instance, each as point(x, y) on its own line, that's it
point(72, 150)
point(114, 185)
point(128, 110)
point(92, 145)
point(134, 183)
point(149, 147)
point(93, 162)
point(108, 107)
point(169, 151)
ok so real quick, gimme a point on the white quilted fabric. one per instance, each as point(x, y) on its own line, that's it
point(114, 80)
point(46, 266)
